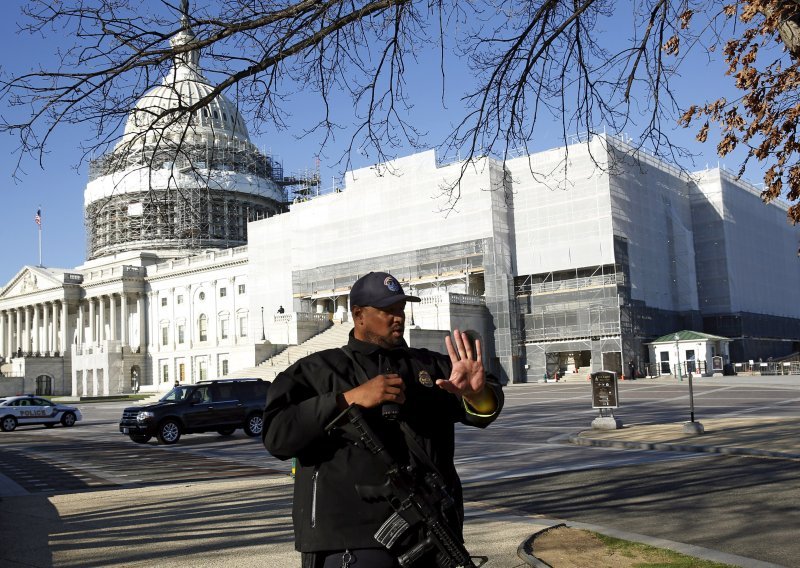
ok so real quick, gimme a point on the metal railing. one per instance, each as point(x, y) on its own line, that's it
point(571, 284)
point(768, 368)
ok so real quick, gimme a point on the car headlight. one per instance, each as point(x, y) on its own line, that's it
point(144, 416)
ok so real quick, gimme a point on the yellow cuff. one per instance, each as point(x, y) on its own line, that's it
point(474, 412)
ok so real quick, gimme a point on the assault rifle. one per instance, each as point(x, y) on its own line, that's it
point(417, 497)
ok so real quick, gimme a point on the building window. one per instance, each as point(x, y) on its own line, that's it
point(181, 331)
point(224, 366)
point(164, 372)
point(180, 298)
point(223, 329)
point(203, 371)
point(202, 325)
point(223, 292)
point(241, 288)
point(163, 302)
point(182, 371)
point(164, 335)
point(243, 326)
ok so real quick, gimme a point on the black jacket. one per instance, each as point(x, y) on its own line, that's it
point(328, 513)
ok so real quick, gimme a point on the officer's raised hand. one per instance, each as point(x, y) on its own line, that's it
point(467, 378)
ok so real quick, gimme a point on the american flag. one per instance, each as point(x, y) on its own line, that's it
point(38, 217)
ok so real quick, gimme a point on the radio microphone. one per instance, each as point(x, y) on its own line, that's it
point(389, 410)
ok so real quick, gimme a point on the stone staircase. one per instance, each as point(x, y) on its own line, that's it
point(333, 337)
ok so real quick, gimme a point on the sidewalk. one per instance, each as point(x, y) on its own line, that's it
point(247, 522)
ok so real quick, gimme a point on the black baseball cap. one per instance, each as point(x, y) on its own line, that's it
point(378, 289)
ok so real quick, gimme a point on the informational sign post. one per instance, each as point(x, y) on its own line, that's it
point(605, 397)
point(605, 391)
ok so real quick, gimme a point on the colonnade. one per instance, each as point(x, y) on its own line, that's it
point(37, 329)
point(98, 320)
point(46, 329)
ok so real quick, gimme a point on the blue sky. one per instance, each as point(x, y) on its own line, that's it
point(58, 186)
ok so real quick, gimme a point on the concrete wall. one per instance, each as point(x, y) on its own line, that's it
point(14, 386)
point(27, 369)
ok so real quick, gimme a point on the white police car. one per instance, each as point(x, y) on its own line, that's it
point(30, 409)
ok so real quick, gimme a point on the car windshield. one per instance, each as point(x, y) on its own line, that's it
point(176, 394)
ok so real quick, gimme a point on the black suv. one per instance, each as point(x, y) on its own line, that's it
point(222, 406)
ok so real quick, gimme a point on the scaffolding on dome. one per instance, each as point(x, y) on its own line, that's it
point(187, 212)
point(229, 155)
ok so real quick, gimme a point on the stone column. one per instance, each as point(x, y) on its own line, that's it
point(4, 330)
point(44, 343)
point(92, 323)
point(153, 329)
point(26, 336)
point(36, 334)
point(3, 351)
point(123, 324)
point(64, 328)
point(18, 318)
point(142, 323)
point(101, 328)
point(54, 327)
point(81, 324)
point(11, 339)
point(10, 334)
point(112, 316)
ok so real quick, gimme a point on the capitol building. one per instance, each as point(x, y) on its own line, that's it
point(205, 261)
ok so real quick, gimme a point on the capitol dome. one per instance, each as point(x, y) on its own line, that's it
point(180, 181)
point(159, 113)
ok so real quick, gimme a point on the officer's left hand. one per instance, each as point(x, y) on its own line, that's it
point(467, 377)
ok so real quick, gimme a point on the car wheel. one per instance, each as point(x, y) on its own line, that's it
point(254, 424)
point(140, 438)
point(226, 431)
point(8, 423)
point(68, 419)
point(169, 432)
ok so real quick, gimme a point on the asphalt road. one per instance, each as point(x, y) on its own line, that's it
point(745, 506)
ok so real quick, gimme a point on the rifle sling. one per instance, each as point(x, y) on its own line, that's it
point(413, 445)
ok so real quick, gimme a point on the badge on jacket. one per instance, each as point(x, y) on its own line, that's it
point(425, 379)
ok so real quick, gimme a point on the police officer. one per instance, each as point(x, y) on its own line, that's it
point(427, 391)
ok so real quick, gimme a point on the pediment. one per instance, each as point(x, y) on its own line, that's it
point(31, 279)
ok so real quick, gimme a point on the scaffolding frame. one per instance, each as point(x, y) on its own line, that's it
point(192, 210)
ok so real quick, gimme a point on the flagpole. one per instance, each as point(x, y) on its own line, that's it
point(39, 222)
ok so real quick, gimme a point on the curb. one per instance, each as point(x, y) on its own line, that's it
point(526, 549)
point(579, 440)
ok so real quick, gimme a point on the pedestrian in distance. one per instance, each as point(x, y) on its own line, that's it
point(280, 309)
point(409, 398)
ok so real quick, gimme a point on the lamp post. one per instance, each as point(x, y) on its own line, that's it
point(263, 336)
point(676, 337)
point(411, 288)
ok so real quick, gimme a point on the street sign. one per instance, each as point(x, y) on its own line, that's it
point(605, 390)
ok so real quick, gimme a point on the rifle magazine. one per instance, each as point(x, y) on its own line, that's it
point(393, 528)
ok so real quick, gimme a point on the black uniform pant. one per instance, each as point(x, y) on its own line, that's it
point(358, 558)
